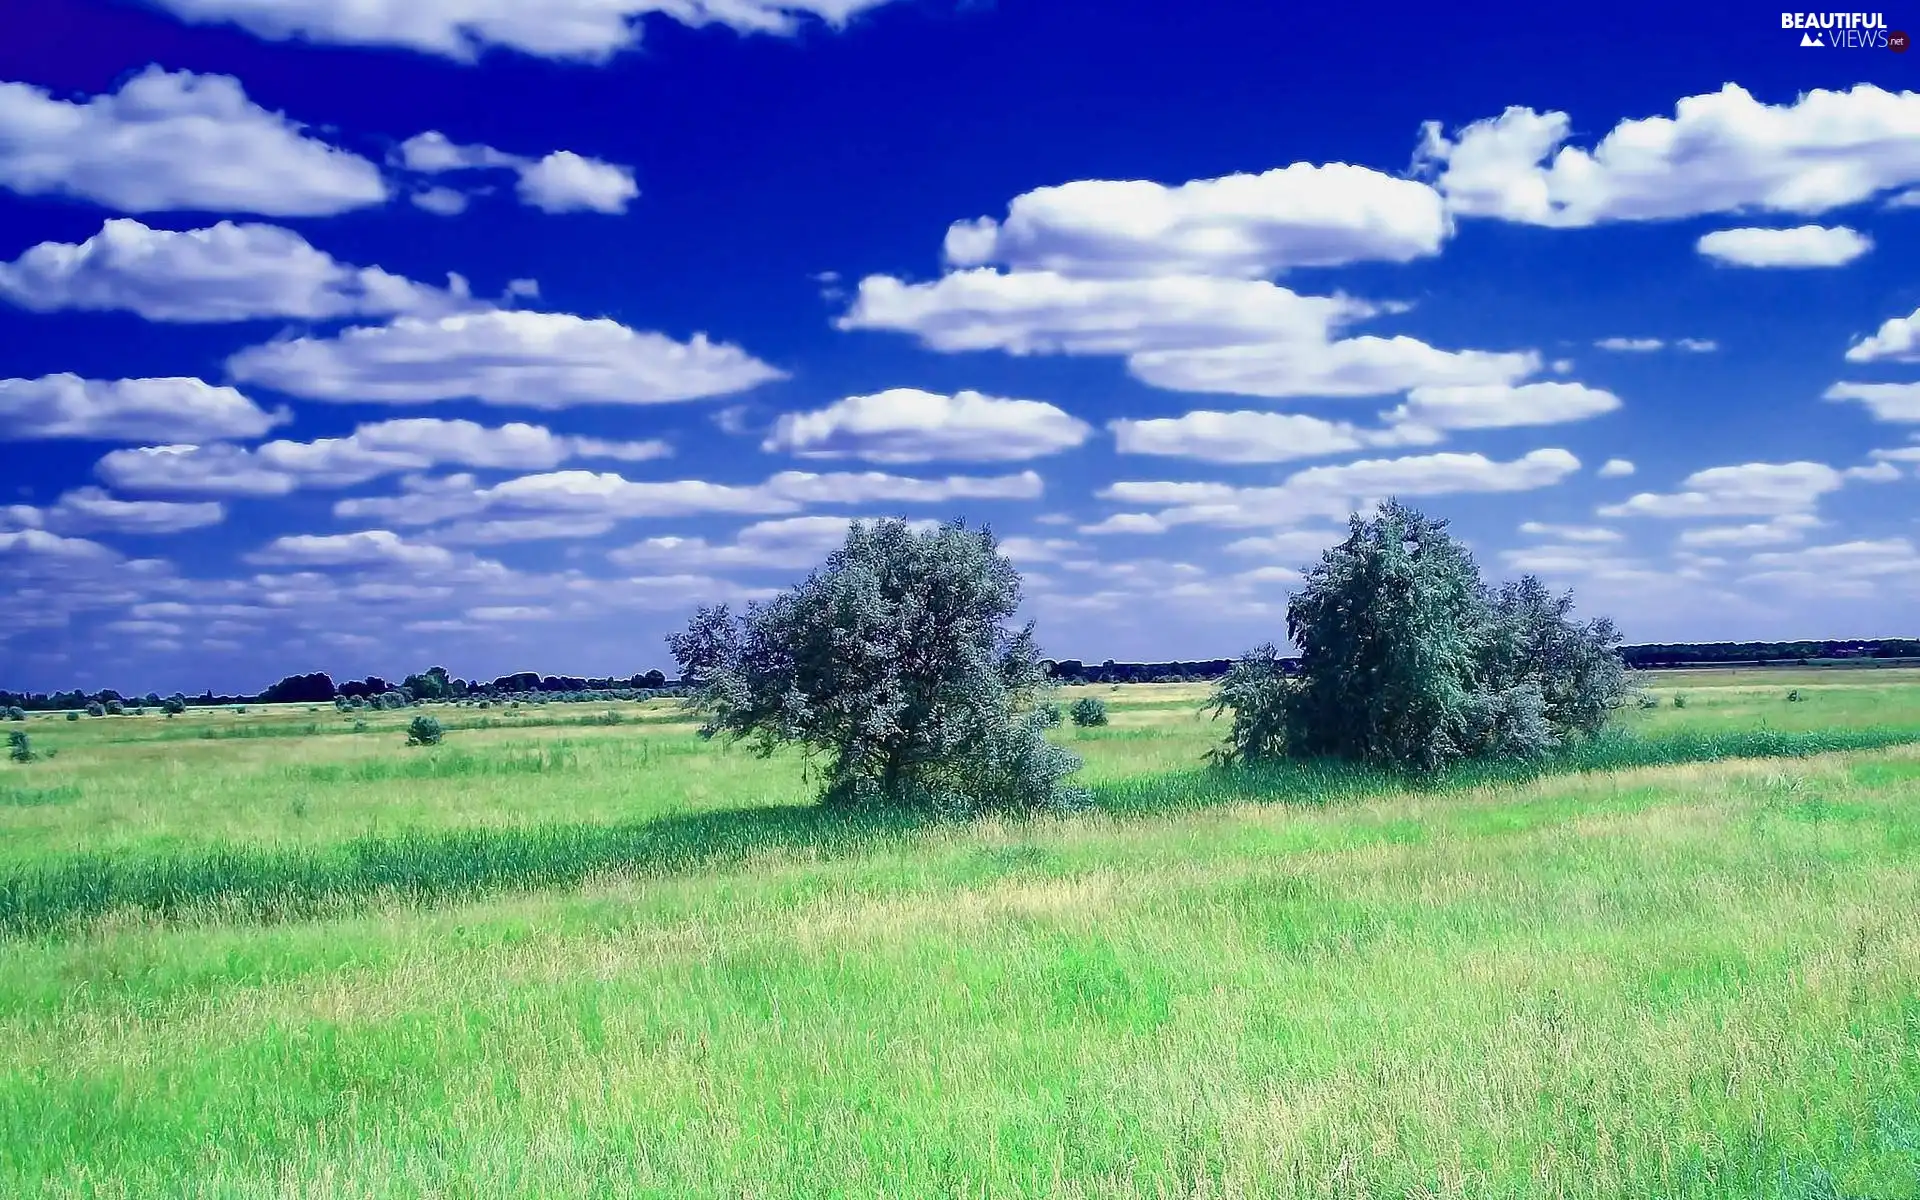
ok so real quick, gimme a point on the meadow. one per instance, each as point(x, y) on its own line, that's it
point(567, 954)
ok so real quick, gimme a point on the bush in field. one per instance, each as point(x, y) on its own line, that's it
point(96, 709)
point(73, 714)
point(115, 708)
point(1794, 696)
point(1051, 714)
point(1408, 660)
point(173, 706)
point(1649, 702)
point(16, 713)
point(1679, 700)
point(424, 731)
point(19, 746)
point(895, 663)
point(1088, 711)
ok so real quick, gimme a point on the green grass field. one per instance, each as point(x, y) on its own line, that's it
point(262, 954)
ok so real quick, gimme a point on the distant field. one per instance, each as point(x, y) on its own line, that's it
point(262, 954)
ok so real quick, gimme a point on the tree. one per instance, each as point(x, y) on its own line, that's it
point(96, 709)
point(174, 705)
point(20, 746)
point(895, 663)
point(433, 684)
point(1088, 711)
point(1408, 660)
point(424, 731)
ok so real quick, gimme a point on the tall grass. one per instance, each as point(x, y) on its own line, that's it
point(270, 884)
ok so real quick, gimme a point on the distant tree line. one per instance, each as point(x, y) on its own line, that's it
point(435, 683)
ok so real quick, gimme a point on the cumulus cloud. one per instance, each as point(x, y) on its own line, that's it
point(1502, 406)
point(562, 181)
point(527, 359)
point(1239, 225)
point(21, 546)
point(228, 272)
point(1044, 312)
point(1248, 437)
point(1803, 246)
point(1788, 527)
point(1616, 468)
point(92, 510)
point(793, 543)
point(1720, 152)
point(176, 140)
point(67, 406)
point(440, 201)
point(1626, 345)
point(1842, 569)
point(1751, 489)
point(1328, 492)
point(1898, 402)
point(611, 496)
point(1590, 534)
point(1361, 366)
point(1897, 340)
point(370, 451)
point(589, 30)
point(369, 547)
point(907, 425)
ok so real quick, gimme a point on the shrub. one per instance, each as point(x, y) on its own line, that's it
point(1649, 702)
point(174, 705)
point(359, 726)
point(1088, 711)
point(96, 709)
point(895, 663)
point(73, 714)
point(424, 731)
point(115, 708)
point(1794, 696)
point(1050, 714)
point(1679, 700)
point(1408, 660)
point(19, 746)
point(16, 713)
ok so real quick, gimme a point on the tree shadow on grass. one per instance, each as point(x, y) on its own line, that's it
point(264, 884)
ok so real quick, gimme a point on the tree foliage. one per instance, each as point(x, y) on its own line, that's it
point(894, 663)
point(1088, 711)
point(424, 730)
point(1409, 660)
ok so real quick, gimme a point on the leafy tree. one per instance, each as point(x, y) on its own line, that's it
point(895, 663)
point(16, 713)
point(433, 684)
point(20, 746)
point(96, 709)
point(424, 731)
point(73, 714)
point(1408, 660)
point(1088, 711)
point(115, 708)
point(174, 705)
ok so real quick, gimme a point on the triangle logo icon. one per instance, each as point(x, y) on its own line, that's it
point(1808, 39)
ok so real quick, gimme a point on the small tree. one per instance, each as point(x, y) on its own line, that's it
point(894, 663)
point(96, 709)
point(1408, 660)
point(115, 708)
point(73, 714)
point(16, 713)
point(174, 705)
point(20, 746)
point(424, 731)
point(1088, 711)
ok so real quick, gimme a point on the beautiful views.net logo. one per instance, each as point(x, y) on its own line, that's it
point(1845, 30)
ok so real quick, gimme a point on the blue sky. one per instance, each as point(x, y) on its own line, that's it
point(354, 336)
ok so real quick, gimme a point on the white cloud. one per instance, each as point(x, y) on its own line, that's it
point(227, 272)
point(1897, 402)
point(1297, 545)
point(789, 544)
point(1616, 468)
point(1239, 225)
point(91, 510)
point(610, 496)
point(590, 30)
point(1502, 406)
point(1247, 437)
point(1720, 152)
point(1329, 492)
point(370, 547)
point(560, 182)
point(1898, 340)
point(567, 182)
point(1043, 312)
point(1822, 568)
point(529, 359)
point(440, 201)
point(67, 406)
point(907, 425)
point(1361, 366)
point(176, 140)
point(1876, 472)
point(1780, 530)
point(1697, 345)
point(1590, 534)
point(1751, 489)
point(22, 546)
point(1625, 345)
point(1804, 246)
point(382, 448)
